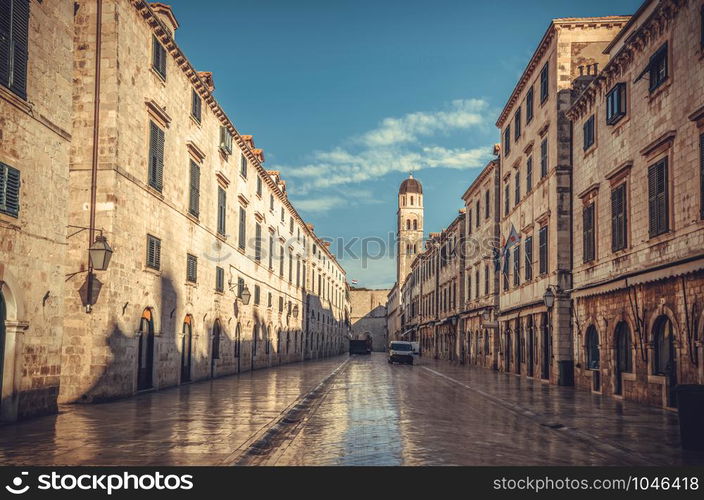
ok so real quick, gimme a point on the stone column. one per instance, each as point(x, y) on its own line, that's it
point(12, 370)
point(562, 350)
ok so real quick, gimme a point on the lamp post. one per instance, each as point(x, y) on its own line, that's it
point(245, 295)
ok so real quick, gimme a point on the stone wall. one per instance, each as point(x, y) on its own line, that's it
point(35, 135)
point(369, 316)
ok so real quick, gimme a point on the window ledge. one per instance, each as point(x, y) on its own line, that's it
point(158, 75)
point(194, 218)
point(195, 120)
point(191, 284)
point(654, 94)
point(151, 270)
point(15, 100)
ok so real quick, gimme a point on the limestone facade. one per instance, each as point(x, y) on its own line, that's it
point(35, 137)
point(536, 199)
point(639, 210)
point(195, 221)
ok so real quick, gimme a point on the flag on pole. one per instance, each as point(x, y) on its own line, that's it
point(512, 239)
point(354, 282)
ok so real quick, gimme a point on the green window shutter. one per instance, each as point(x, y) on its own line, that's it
point(19, 45)
point(5, 41)
point(156, 156)
point(153, 252)
point(242, 228)
point(221, 210)
point(657, 199)
point(194, 198)
point(258, 243)
point(9, 190)
point(528, 272)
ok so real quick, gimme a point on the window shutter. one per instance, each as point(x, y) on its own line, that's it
point(194, 204)
point(20, 39)
point(652, 200)
point(12, 191)
point(221, 210)
point(5, 29)
point(657, 198)
point(618, 218)
point(662, 197)
point(588, 233)
point(529, 259)
point(160, 160)
point(243, 227)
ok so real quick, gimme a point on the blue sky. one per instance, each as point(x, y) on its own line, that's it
point(346, 96)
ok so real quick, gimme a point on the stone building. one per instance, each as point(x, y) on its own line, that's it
point(638, 213)
point(369, 316)
point(214, 272)
point(536, 203)
point(479, 342)
point(393, 314)
point(35, 138)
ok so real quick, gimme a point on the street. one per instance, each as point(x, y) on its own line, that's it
point(354, 411)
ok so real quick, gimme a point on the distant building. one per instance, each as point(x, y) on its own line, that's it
point(369, 316)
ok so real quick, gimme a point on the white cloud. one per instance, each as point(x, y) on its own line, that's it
point(398, 144)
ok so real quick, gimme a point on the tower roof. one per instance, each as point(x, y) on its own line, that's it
point(410, 185)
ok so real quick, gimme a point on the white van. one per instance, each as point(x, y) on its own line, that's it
point(416, 348)
point(401, 352)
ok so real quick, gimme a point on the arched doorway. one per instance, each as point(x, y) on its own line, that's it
point(664, 358)
point(624, 355)
point(529, 347)
point(145, 357)
point(592, 356)
point(545, 341)
point(215, 349)
point(186, 348)
point(255, 342)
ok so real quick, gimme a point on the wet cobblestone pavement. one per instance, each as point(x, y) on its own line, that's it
point(370, 413)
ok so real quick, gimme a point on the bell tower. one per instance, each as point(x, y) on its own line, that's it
point(409, 223)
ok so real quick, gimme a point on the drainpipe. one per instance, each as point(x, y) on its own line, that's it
point(96, 136)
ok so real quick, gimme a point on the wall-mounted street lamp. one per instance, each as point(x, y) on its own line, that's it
point(549, 296)
point(245, 295)
point(99, 255)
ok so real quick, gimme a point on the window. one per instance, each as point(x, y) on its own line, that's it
point(543, 250)
point(290, 225)
point(516, 265)
point(544, 83)
point(543, 158)
point(259, 186)
point(14, 38)
point(240, 287)
point(219, 279)
point(194, 193)
point(507, 199)
point(271, 202)
point(196, 104)
point(529, 104)
point(283, 214)
point(281, 304)
point(243, 229)
point(9, 190)
point(271, 252)
point(222, 199)
point(663, 341)
point(290, 267)
point(518, 187)
point(469, 221)
point(243, 165)
point(257, 295)
point(592, 349)
point(588, 132)
point(191, 268)
point(701, 26)
point(507, 140)
point(588, 239)
point(225, 140)
point(616, 103)
point(258, 242)
point(529, 174)
point(657, 198)
point(486, 280)
point(505, 270)
point(658, 68)
point(618, 218)
point(298, 272)
point(158, 57)
point(528, 252)
point(476, 207)
point(153, 252)
point(281, 261)
point(156, 156)
point(517, 124)
point(487, 208)
point(269, 301)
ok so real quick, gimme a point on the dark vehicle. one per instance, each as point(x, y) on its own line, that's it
point(361, 345)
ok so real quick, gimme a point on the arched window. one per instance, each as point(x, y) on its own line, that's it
point(486, 342)
point(663, 341)
point(624, 348)
point(255, 339)
point(411, 200)
point(415, 224)
point(403, 201)
point(216, 339)
point(408, 223)
point(592, 348)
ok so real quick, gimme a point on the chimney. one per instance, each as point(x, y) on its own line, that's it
point(166, 15)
